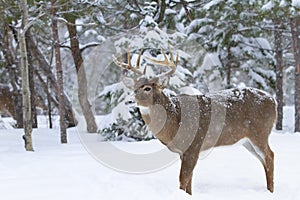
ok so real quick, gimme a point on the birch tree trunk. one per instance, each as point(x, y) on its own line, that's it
point(59, 74)
point(27, 118)
point(279, 72)
point(295, 30)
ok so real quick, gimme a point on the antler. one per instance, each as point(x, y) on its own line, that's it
point(166, 62)
point(128, 66)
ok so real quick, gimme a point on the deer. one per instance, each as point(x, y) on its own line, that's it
point(7, 106)
point(7, 101)
point(191, 124)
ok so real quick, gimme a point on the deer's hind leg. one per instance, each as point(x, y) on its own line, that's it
point(269, 169)
point(266, 157)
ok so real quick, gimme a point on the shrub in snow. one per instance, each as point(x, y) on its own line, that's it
point(132, 129)
point(124, 122)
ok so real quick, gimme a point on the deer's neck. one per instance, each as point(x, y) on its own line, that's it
point(161, 105)
point(161, 117)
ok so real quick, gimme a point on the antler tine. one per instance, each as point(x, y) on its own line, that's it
point(129, 60)
point(139, 60)
point(171, 57)
point(115, 60)
point(166, 62)
point(176, 62)
point(128, 65)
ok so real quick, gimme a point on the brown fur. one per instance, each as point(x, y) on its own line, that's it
point(6, 101)
point(190, 124)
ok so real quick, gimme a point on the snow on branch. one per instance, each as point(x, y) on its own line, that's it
point(66, 22)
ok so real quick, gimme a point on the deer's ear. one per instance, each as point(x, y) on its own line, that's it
point(128, 82)
point(163, 81)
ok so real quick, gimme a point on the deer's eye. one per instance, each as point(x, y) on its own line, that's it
point(147, 88)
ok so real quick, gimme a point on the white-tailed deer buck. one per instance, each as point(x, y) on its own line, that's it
point(189, 124)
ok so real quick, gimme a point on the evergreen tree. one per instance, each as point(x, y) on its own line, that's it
point(232, 30)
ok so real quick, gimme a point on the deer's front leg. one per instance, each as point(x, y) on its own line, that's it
point(186, 172)
point(189, 186)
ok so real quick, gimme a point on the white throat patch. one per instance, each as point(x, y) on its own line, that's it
point(144, 110)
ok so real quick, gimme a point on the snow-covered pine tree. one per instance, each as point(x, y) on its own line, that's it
point(276, 23)
point(286, 14)
point(295, 31)
point(231, 30)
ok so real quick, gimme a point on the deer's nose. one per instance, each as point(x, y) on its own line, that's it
point(130, 102)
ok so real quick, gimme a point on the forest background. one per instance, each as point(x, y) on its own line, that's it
point(56, 56)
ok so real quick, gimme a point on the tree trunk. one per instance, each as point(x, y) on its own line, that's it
point(27, 118)
point(162, 10)
point(31, 86)
point(81, 75)
point(295, 30)
point(45, 68)
point(12, 67)
point(297, 100)
point(48, 88)
point(228, 68)
point(279, 72)
point(59, 72)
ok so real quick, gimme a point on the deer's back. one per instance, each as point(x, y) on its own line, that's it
point(225, 117)
point(240, 113)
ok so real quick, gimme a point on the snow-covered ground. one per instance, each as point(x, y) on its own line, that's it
point(56, 171)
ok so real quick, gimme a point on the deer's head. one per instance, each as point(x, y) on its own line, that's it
point(147, 89)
